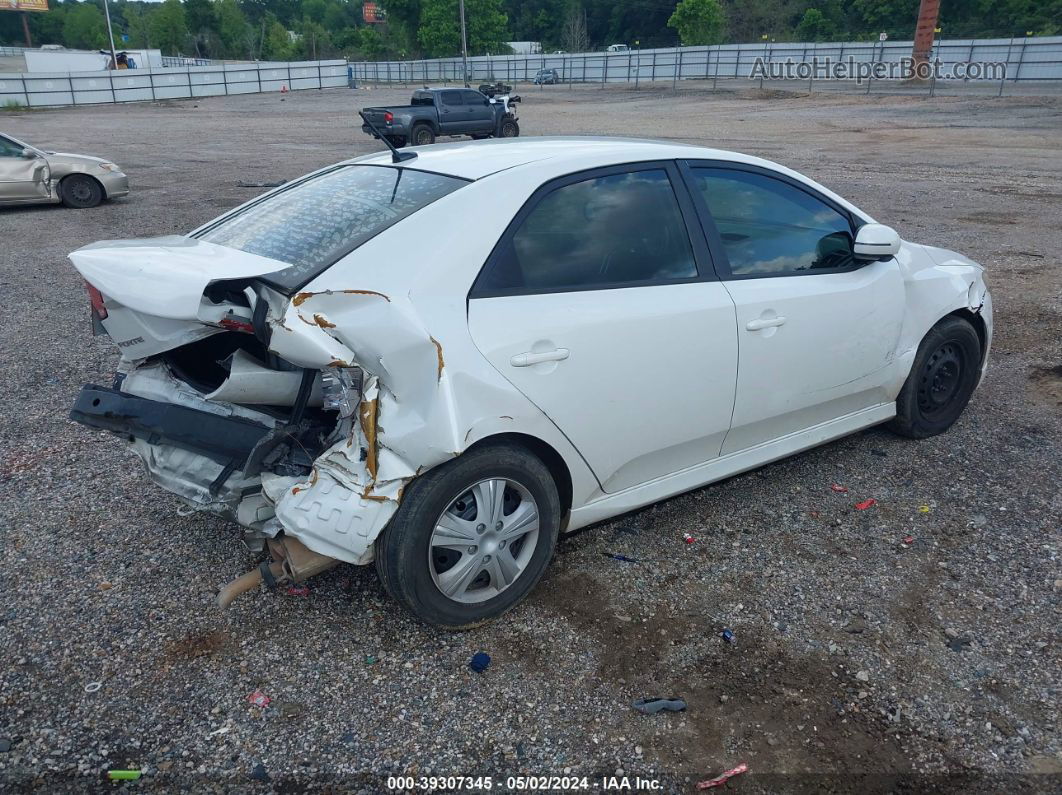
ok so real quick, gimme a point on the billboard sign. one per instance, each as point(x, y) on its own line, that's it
point(23, 5)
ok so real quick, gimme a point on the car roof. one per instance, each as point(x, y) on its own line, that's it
point(564, 154)
point(559, 156)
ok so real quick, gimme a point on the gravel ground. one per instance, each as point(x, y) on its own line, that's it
point(858, 663)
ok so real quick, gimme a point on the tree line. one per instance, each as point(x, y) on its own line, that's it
point(310, 29)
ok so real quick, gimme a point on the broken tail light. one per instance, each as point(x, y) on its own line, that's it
point(389, 117)
point(99, 309)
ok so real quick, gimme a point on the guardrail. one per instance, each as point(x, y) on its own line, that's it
point(1024, 59)
point(137, 85)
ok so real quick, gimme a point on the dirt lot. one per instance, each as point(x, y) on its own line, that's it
point(857, 664)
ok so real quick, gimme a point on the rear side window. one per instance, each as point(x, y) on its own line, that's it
point(318, 221)
point(771, 228)
point(612, 230)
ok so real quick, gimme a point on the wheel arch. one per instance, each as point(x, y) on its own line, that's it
point(545, 452)
point(65, 177)
point(978, 322)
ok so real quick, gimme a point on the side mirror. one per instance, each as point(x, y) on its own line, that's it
point(29, 154)
point(876, 241)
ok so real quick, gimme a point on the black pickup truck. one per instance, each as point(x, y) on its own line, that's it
point(444, 111)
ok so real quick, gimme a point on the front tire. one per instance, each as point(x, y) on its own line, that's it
point(472, 537)
point(941, 381)
point(80, 191)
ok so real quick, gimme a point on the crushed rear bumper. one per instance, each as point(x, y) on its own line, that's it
point(225, 440)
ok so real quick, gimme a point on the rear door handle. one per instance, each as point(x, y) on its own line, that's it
point(529, 358)
point(764, 322)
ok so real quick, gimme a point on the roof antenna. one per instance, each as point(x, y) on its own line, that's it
point(396, 156)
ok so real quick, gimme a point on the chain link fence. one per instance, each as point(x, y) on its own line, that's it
point(866, 66)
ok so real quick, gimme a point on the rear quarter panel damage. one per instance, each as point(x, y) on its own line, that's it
point(417, 410)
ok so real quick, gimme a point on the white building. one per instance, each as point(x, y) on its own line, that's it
point(526, 47)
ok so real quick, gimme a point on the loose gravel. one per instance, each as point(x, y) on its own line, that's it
point(858, 661)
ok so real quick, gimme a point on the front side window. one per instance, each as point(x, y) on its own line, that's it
point(474, 98)
point(9, 148)
point(451, 98)
point(607, 231)
point(771, 228)
point(316, 222)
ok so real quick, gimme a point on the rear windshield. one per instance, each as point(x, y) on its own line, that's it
point(320, 220)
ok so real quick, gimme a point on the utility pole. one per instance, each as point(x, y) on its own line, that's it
point(25, 29)
point(110, 35)
point(925, 31)
point(464, 43)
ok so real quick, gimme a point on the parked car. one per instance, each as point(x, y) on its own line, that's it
point(443, 111)
point(546, 77)
point(352, 372)
point(29, 175)
point(617, 48)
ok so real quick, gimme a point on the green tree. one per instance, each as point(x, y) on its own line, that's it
point(169, 28)
point(233, 28)
point(137, 25)
point(440, 27)
point(85, 27)
point(698, 21)
point(814, 26)
point(277, 44)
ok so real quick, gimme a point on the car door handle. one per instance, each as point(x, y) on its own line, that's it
point(529, 358)
point(764, 322)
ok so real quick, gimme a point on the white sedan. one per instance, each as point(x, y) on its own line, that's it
point(439, 359)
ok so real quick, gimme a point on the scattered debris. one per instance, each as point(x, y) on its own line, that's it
point(863, 676)
point(862, 506)
point(92, 687)
point(370, 659)
point(722, 778)
point(923, 509)
point(857, 625)
point(688, 538)
point(259, 699)
point(5, 745)
point(298, 590)
point(839, 488)
point(622, 558)
point(650, 706)
point(222, 730)
point(242, 184)
point(907, 540)
point(105, 586)
point(727, 635)
point(259, 773)
point(123, 775)
point(480, 661)
point(959, 644)
point(951, 632)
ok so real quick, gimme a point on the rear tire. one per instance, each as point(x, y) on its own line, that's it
point(941, 381)
point(446, 534)
point(422, 135)
point(508, 129)
point(397, 141)
point(80, 191)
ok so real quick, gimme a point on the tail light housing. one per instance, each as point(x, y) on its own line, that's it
point(99, 309)
point(389, 116)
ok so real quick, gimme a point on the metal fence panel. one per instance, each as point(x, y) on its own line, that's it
point(137, 85)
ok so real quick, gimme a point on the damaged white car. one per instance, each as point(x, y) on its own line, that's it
point(439, 361)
